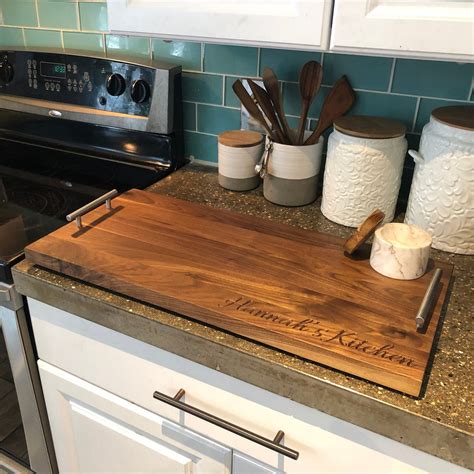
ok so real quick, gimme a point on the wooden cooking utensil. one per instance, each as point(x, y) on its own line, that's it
point(273, 88)
point(266, 105)
point(310, 81)
point(364, 231)
point(337, 103)
point(252, 107)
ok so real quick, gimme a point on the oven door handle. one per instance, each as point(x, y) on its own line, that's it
point(77, 215)
point(273, 444)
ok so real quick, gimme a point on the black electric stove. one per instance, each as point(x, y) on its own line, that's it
point(62, 146)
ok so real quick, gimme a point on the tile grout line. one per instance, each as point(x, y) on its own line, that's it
point(258, 62)
point(415, 117)
point(202, 57)
point(78, 18)
point(37, 15)
point(392, 74)
point(196, 116)
point(223, 90)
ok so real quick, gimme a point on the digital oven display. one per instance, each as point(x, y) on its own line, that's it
point(55, 70)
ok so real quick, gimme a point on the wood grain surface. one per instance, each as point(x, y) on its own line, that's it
point(283, 286)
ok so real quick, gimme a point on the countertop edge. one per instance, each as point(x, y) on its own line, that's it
point(400, 425)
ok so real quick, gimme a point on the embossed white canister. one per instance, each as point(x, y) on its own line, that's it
point(363, 168)
point(442, 192)
point(238, 153)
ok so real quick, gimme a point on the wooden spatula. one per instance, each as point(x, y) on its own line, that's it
point(337, 103)
point(310, 81)
point(266, 105)
point(252, 107)
point(273, 88)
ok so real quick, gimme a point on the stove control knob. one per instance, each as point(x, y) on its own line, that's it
point(6, 72)
point(140, 91)
point(116, 84)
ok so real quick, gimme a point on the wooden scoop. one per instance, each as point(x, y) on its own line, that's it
point(364, 231)
point(273, 88)
point(252, 107)
point(337, 103)
point(310, 82)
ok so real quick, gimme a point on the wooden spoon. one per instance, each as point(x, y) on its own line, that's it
point(337, 103)
point(252, 107)
point(310, 81)
point(273, 88)
point(266, 105)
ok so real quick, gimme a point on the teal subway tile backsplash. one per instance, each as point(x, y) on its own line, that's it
point(237, 60)
point(11, 36)
point(404, 89)
point(205, 88)
point(230, 99)
point(128, 46)
point(201, 146)
point(433, 78)
point(214, 120)
point(189, 116)
point(84, 41)
point(396, 107)
point(185, 53)
point(19, 12)
point(286, 64)
point(93, 16)
point(57, 14)
point(42, 38)
point(363, 72)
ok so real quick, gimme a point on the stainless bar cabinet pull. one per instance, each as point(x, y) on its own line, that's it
point(77, 215)
point(274, 444)
point(427, 302)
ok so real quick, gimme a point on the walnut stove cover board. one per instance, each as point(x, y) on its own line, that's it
point(289, 288)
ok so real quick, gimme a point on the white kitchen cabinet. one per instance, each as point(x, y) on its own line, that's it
point(96, 431)
point(301, 24)
point(100, 383)
point(442, 29)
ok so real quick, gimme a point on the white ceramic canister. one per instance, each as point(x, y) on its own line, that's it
point(442, 192)
point(238, 153)
point(292, 173)
point(364, 167)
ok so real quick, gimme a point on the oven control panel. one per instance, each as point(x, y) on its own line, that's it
point(103, 84)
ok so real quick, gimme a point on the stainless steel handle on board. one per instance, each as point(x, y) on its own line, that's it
point(273, 444)
point(428, 299)
point(77, 215)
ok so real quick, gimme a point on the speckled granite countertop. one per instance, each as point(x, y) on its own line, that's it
point(439, 422)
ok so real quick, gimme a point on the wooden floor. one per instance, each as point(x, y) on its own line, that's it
point(12, 437)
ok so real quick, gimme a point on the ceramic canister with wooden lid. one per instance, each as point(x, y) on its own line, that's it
point(441, 197)
point(238, 153)
point(363, 168)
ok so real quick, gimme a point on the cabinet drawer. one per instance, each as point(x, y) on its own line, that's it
point(134, 370)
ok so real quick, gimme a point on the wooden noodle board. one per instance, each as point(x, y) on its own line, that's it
point(286, 287)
